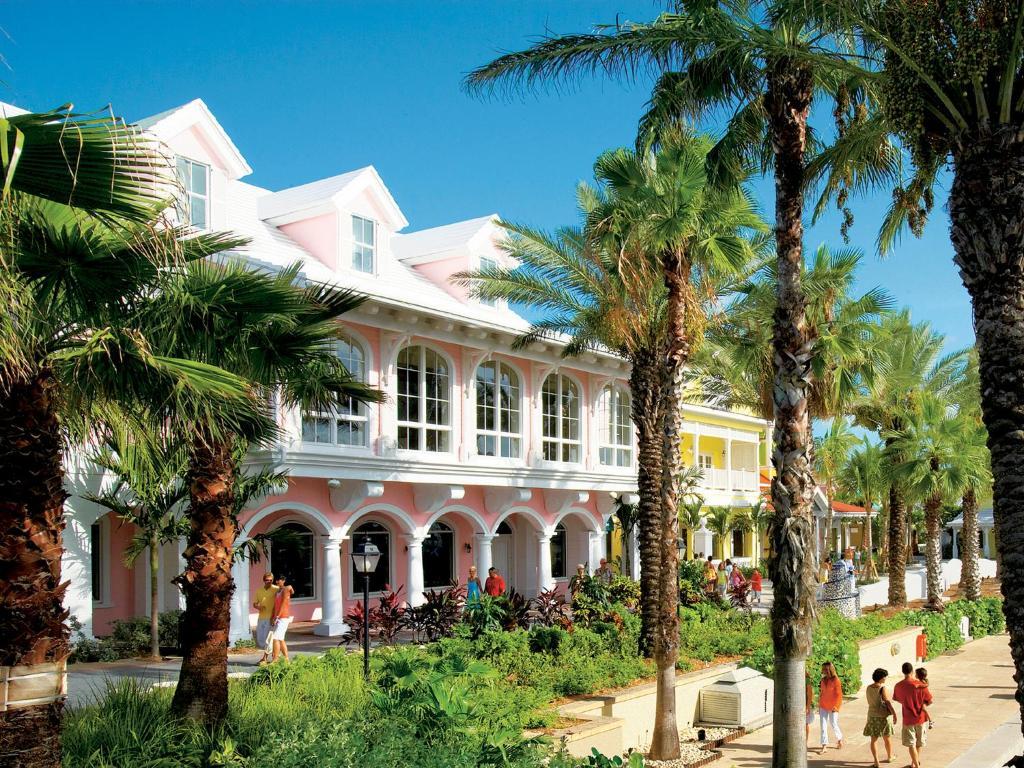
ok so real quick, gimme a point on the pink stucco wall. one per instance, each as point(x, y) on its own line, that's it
point(318, 235)
point(439, 272)
point(121, 584)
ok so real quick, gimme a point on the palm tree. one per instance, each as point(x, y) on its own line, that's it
point(277, 335)
point(148, 493)
point(83, 286)
point(760, 515)
point(911, 365)
point(720, 521)
point(627, 518)
point(830, 454)
point(691, 514)
point(861, 478)
point(935, 464)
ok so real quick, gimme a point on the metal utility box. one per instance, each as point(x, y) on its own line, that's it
point(741, 698)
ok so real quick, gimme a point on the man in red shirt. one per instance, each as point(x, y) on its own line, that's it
point(495, 585)
point(913, 697)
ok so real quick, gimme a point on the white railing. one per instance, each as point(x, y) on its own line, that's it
point(740, 480)
point(745, 479)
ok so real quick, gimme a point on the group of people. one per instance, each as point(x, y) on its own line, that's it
point(495, 584)
point(911, 693)
point(274, 602)
point(727, 576)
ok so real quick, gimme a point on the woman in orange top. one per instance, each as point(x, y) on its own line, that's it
point(830, 699)
point(281, 617)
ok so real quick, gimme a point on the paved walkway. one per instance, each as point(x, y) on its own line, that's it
point(973, 691)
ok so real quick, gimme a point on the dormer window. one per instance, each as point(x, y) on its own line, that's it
point(194, 207)
point(487, 265)
point(364, 249)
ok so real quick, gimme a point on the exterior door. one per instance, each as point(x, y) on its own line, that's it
point(502, 557)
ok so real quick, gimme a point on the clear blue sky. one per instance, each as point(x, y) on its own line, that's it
point(309, 90)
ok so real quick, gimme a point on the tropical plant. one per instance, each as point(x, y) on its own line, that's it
point(550, 609)
point(627, 517)
point(84, 312)
point(147, 494)
point(440, 612)
point(721, 522)
point(516, 610)
point(831, 451)
point(911, 365)
point(760, 516)
point(936, 464)
point(691, 502)
point(862, 478)
point(279, 336)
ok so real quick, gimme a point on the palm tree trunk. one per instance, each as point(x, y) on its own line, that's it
point(933, 551)
point(970, 575)
point(986, 210)
point(869, 544)
point(645, 386)
point(32, 615)
point(791, 529)
point(828, 519)
point(202, 691)
point(665, 736)
point(897, 548)
point(154, 595)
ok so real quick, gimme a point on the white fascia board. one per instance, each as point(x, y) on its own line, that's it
point(369, 179)
point(316, 208)
point(196, 112)
point(741, 417)
point(436, 255)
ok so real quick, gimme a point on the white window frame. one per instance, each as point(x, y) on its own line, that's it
point(357, 243)
point(705, 461)
point(422, 426)
point(498, 433)
point(562, 443)
point(560, 533)
point(610, 413)
point(485, 262)
point(186, 207)
point(104, 601)
point(332, 417)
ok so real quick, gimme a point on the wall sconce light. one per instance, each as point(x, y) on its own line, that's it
point(468, 547)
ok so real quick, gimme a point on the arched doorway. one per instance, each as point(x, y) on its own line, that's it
point(439, 556)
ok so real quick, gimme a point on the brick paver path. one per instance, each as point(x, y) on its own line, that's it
point(973, 691)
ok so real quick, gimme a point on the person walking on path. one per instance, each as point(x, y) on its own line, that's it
point(495, 585)
point(913, 699)
point(604, 572)
point(282, 617)
point(880, 710)
point(755, 585)
point(473, 586)
point(830, 699)
point(264, 603)
point(722, 578)
point(922, 677)
point(710, 577)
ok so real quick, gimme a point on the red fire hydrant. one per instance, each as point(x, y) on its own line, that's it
point(922, 646)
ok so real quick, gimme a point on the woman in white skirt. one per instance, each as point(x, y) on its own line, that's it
point(281, 618)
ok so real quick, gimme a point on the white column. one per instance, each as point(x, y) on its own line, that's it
point(730, 482)
point(240, 628)
point(696, 449)
point(414, 582)
point(545, 580)
point(984, 541)
point(956, 541)
point(595, 546)
point(635, 544)
point(483, 554)
point(332, 622)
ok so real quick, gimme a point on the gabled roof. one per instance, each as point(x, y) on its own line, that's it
point(851, 509)
point(430, 244)
point(310, 199)
point(173, 121)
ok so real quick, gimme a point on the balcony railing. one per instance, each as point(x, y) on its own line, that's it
point(740, 479)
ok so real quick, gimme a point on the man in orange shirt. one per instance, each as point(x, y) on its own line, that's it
point(913, 697)
point(495, 585)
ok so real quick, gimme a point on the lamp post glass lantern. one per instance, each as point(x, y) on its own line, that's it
point(365, 562)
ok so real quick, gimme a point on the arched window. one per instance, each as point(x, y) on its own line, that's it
point(439, 556)
point(498, 431)
point(558, 552)
point(381, 537)
point(291, 555)
point(560, 418)
point(424, 409)
point(346, 424)
point(616, 438)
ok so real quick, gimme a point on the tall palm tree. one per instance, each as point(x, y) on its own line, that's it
point(147, 493)
point(278, 335)
point(830, 454)
point(862, 478)
point(911, 365)
point(691, 514)
point(83, 286)
point(760, 516)
point(721, 521)
point(937, 462)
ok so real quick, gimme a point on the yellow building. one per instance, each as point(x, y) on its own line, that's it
point(730, 447)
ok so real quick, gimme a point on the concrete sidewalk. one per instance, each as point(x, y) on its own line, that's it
point(976, 717)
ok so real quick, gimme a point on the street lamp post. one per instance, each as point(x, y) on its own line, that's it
point(365, 562)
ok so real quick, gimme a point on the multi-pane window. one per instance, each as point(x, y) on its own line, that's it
point(379, 536)
point(424, 401)
point(558, 553)
point(194, 206)
point(616, 439)
point(705, 462)
point(487, 264)
point(347, 422)
point(363, 244)
point(439, 557)
point(560, 419)
point(291, 556)
point(497, 411)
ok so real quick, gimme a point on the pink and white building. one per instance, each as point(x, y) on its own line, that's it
point(481, 455)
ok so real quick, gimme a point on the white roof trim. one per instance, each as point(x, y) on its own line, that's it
point(173, 122)
point(329, 194)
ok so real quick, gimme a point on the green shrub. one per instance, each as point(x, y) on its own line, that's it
point(546, 639)
point(128, 638)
